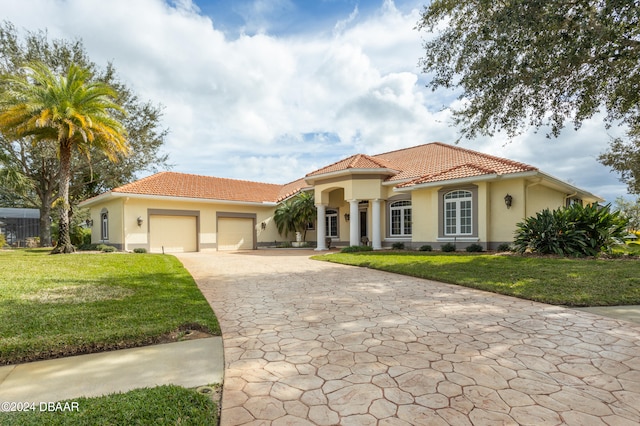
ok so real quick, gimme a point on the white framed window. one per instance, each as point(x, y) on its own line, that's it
point(458, 213)
point(104, 225)
point(400, 221)
point(331, 222)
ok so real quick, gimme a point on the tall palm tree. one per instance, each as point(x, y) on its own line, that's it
point(68, 110)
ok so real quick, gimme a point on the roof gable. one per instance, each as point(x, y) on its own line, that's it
point(433, 159)
point(358, 161)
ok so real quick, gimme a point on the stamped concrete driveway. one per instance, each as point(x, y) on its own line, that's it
point(310, 342)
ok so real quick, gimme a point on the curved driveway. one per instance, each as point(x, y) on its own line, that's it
point(308, 342)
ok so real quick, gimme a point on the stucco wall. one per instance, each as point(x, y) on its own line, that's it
point(502, 220)
point(115, 210)
point(124, 213)
point(540, 197)
point(495, 222)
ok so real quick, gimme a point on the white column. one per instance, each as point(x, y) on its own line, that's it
point(376, 240)
point(354, 223)
point(321, 228)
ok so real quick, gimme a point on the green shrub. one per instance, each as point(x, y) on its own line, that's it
point(397, 246)
point(3, 241)
point(107, 249)
point(426, 247)
point(448, 247)
point(474, 248)
point(140, 250)
point(355, 249)
point(504, 247)
point(571, 231)
point(80, 235)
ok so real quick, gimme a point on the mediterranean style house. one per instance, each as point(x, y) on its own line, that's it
point(428, 194)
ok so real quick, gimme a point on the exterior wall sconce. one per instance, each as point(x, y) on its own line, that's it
point(89, 222)
point(508, 200)
point(347, 216)
point(263, 225)
point(140, 220)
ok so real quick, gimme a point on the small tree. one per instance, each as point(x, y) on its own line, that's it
point(630, 210)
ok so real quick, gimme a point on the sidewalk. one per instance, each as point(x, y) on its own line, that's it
point(189, 364)
point(628, 313)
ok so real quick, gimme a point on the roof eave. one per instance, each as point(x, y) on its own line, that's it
point(111, 194)
point(571, 188)
point(459, 181)
point(348, 172)
point(292, 195)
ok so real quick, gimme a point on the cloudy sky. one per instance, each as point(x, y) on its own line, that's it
point(269, 90)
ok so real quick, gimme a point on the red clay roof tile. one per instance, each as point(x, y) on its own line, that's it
point(434, 158)
point(174, 184)
point(358, 161)
point(431, 162)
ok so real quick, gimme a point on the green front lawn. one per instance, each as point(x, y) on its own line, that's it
point(52, 306)
point(163, 405)
point(558, 281)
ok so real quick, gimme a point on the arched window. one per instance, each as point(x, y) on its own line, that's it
point(331, 221)
point(104, 224)
point(400, 218)
point(458, 215)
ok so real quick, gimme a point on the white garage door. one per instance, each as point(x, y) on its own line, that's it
point(235, 233)
point(176, 234)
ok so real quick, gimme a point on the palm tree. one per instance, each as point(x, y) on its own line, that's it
point(285, 218)
point(70, 111)
point(306, 212)
point(293, 215)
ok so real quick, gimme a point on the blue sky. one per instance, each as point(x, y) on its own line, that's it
point(288, 17)
point(269, 90)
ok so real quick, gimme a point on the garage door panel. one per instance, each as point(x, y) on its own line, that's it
point(235, 233)
point(174, 234)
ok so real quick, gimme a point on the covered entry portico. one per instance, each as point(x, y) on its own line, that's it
point(355, 225)
point(345, 187)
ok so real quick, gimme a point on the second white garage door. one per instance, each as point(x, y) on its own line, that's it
point(235, 233)
point(176, 234)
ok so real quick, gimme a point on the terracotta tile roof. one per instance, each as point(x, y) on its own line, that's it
point(185, 185)
point(432, 162)
point(429, 161)
point(358, 161)
point(457, 172)
point(433, 159)
point(292, 188)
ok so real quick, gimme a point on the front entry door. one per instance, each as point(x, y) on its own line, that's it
point(363, 223)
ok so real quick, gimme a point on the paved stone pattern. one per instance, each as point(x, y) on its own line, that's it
point(308, 342)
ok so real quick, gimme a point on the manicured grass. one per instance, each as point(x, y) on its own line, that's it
point(60, 305)
point(163, 405)
point(558, 281)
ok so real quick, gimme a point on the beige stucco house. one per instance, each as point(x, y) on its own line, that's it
point(428, 194)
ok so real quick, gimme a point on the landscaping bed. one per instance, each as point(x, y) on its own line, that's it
point(63, 305)
point(553, 280)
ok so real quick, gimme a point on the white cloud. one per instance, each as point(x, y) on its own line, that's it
point(273, 108)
